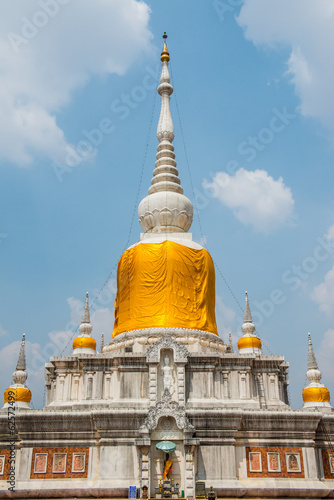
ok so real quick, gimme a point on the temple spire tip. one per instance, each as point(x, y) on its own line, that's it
point(21, 362)
point(164, 53)
point(312, 362)
point(86, 315)
point(247, 316)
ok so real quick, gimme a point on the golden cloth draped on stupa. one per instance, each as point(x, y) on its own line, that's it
point(165, 285)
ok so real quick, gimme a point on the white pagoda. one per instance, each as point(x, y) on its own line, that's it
point(167, 376)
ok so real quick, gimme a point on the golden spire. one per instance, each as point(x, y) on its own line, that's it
point(249, 340)
point(151, 298)
point(84, 343)
point(18, 393)
point(164, 53)
point(315, 394)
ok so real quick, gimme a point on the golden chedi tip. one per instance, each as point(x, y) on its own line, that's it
point(164, 53)
point(315, 394)
point(18, 393)
point(249, 342)
point(84, 343)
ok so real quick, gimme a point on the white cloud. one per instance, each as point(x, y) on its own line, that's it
point(227, 322)
point(307, 29)
point(76, 309)
point(48, 49)
point(3, 332)
point(323, 294)
point(330, 233)
point(8, 359)
point(103, 322)
point(255, 198)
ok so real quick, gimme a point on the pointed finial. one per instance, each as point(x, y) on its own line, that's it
point(312, 362)
point(249, 342)
point(84, 343)
point(86, 316)
point(247, 316)
point(20, 391)
point(21, 362)
point(230, 341)
point(315, 394)
point(165, 209)
point(164, 53)
point(102, 342)
point(20, 375)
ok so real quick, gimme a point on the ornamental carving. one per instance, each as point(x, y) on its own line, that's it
point(180, 351)
point(166, 424)
point(181, 220)
point(167, 408)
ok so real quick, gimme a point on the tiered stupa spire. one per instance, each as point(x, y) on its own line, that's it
point(84, 343)
point(18, 393)
point(21, 362)
point(165, 209)
point(249, 343)
point(315, 394)
point(166, 280)
point(312, 362)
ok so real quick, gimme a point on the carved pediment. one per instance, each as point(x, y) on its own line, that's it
point(167, 408)
point(181, 353)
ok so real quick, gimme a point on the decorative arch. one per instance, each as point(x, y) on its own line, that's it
point(181, 353)
point(167, 408)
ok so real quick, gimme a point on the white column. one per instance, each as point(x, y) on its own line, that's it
point(240, 459)
point(107, 385)
point(261, 390)
point(53, 390)
point(243, 386)
point(67, 387)
point(48, 393)
point(144, 447)
point(145, 467)
point(225, 385)
point(181, 385)
point(310, 463)
point(217, 393)
point(89, 385)
point(75, 387)
point(97, 385)
point(189, 472)
point(152, 374)
point(272, 386)
point(60, 386)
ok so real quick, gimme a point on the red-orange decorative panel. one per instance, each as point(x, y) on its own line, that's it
point(328, 463)
point(59, 463)
point(5, 464)
point(274, 461)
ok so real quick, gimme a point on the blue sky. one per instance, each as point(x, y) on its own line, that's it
point(253, 81)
